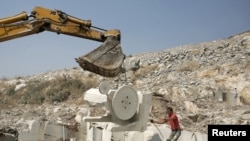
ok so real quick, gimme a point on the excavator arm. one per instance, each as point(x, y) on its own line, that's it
point(105, 60)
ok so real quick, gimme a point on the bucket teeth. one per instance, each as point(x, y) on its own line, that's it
point(105, 60)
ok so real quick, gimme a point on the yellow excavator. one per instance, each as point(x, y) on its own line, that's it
point(106, 60)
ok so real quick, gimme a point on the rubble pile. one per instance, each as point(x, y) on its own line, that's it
point(205, 83)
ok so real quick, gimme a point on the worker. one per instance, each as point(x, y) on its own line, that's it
point(172, 119)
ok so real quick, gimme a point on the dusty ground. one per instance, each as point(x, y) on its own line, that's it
point(185, 78)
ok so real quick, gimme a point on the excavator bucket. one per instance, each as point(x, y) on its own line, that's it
point(105, 60)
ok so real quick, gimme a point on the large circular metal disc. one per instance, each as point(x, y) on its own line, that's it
point(125, 102)
point(104, 87)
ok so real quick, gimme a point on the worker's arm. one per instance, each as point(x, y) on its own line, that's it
point(159, 121)
point(169, 118)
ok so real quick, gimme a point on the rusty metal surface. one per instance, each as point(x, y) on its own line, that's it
point(105, 60)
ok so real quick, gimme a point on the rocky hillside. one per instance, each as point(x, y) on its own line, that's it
point(205, 83)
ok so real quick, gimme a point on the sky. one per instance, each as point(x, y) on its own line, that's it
point(145, 25)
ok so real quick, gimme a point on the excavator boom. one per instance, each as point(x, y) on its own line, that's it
point(105, 60)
